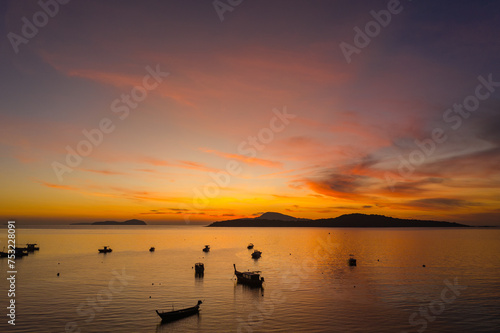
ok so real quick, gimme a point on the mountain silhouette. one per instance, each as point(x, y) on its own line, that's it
point(128, 222)
point(278, 217)
point(356, 220)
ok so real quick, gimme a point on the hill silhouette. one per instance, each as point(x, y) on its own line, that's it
point(344, 221)
point(279, 217)
point(128, 222)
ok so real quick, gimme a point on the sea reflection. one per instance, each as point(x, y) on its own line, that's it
point(308, 286)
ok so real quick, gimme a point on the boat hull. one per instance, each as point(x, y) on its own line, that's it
point(248, 282)
point(179, 314)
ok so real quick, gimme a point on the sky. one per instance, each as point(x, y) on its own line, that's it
point(198, 111)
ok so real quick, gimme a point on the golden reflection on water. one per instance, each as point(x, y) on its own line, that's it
point(308, 284)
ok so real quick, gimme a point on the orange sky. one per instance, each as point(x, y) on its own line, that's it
point(259, 112)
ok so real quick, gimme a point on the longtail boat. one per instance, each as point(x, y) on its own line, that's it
point(178, 314)
point(249, 278)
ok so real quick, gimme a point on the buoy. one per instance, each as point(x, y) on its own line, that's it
point(57, 274)
point(423, 265)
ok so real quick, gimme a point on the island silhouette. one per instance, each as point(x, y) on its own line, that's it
point(356, 220)
point(128, 222)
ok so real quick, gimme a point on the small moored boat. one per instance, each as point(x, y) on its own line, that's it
point(252, 279)
point(106, 249)
point(178, 314)
point(207, 248)
point(152, 249)
point(256, 254)
point(352, 261)
point(250, 246)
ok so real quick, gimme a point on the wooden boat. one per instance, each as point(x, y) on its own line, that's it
point(152, 249)
point(106, 249)
point(252, 279)
point(199, 268)
point(256, 254)
point(178, 314)
point(207, 248)
point(250, 246)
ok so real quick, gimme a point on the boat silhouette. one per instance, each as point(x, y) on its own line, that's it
point(106, 249)
point(178, 314)
point(252, 279)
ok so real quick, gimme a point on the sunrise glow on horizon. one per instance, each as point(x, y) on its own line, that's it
point(167, 114)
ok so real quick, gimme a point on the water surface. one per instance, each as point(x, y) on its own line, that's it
point(308, 285)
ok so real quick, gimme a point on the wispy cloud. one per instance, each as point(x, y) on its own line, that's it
point(58, 186)
point(178, 164)
point(245, 159)
point(105, 172)
point(441, 203)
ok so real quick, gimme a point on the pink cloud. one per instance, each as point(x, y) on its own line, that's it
point(57, 186)
point(245, 159)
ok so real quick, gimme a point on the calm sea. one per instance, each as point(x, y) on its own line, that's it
point(308, 285)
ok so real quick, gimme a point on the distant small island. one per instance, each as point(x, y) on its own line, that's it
point(356, 220)
point(128, 222)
